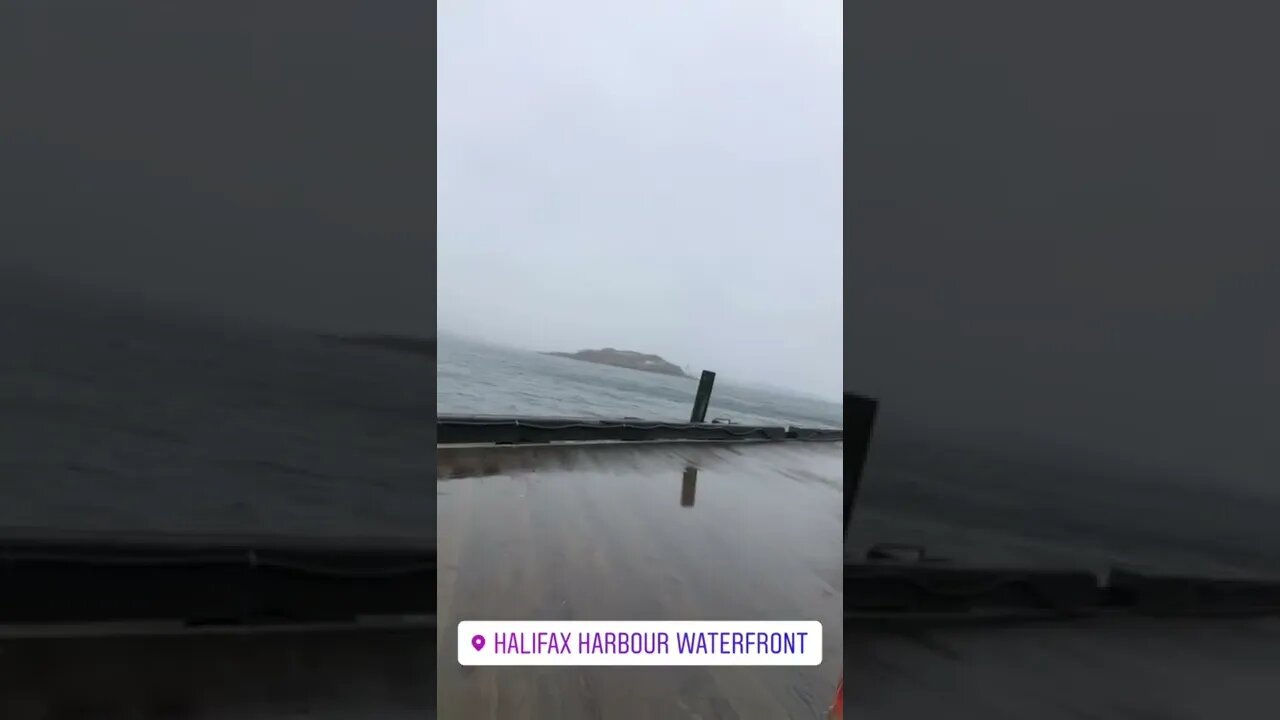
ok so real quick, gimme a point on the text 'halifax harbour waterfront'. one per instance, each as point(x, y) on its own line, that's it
point(623, 643)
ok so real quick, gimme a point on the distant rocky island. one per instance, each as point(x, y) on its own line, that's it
point(396, 343)
point(625, 359)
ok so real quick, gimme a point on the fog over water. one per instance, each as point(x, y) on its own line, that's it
point(664, 179)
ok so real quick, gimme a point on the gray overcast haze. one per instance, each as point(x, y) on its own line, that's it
point(1065, 226)
point(658, 176)
point(266, 160)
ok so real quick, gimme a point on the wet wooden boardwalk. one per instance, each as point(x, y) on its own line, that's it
point(662, 532)
point(385, 674)
point(1121, 668)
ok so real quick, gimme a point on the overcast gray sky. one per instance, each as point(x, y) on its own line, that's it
point(269, 160)
point(1064, 226)
point(658, 176)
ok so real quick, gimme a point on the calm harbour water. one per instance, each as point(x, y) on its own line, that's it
point(119, 418)
point(975, 512)
point(484, 379)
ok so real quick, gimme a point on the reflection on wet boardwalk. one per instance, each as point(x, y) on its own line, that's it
point(662, 532)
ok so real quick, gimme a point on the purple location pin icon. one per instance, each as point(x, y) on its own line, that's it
point(477, 642)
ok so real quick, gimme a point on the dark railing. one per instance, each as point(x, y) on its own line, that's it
point(880, 591)
point(897, 582)
point(499, 430)
point(210, 582)
point(462, 429)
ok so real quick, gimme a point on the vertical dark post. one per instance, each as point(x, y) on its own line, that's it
point(859, 422)
point(703, 399)
point(688, 486)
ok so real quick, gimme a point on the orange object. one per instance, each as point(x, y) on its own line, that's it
point(837, 708)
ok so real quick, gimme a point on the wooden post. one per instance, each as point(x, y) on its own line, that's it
point(859, 422)
point(703, 399)
point(688, 486)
